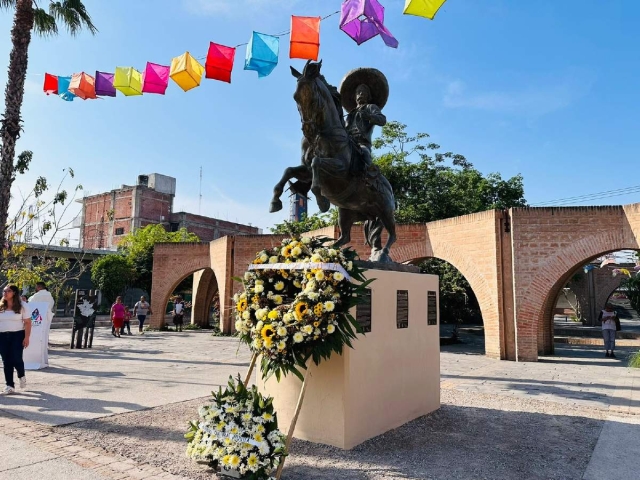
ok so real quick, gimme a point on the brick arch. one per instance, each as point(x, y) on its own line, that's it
point(172, 263)
point(205, 286)
point(535, 319)
point(418, 251)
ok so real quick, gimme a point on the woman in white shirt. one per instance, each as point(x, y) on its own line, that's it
point(15, 329)
point(608, 320)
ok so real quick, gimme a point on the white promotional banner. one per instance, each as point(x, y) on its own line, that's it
point(36, 355)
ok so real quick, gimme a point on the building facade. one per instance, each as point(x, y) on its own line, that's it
point(107, 217)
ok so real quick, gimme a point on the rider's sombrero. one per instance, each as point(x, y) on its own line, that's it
point(371, 77)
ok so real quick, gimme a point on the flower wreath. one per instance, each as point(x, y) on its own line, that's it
point(238, 431)
point(295, 304)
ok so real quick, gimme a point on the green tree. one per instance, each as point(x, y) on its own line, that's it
point(431, 185)
point(28, 17)
point(138, 247)
point(307, 224)
point(112, 274)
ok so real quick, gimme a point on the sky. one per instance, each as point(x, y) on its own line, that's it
point(545, 89)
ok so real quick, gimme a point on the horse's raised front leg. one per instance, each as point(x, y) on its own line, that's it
point(299, 172)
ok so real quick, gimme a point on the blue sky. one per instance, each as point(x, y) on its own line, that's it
point(547, 89)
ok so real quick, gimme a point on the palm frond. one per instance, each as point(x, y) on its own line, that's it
point(73, 14)
point(7, 4)
point(43, 23)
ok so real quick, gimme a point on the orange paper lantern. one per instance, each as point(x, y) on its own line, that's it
point(305, 38)
point(83, 86)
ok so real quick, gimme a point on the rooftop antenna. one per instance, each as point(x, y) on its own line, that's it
point(200, 198)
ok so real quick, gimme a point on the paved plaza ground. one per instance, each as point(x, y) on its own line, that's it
point(118, 411)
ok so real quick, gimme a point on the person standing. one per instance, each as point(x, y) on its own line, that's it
point(117, 317)
point(15, 330)
point(127, 321)
point(178, 314)
point(608, 320)
point(43, 295)
point(141, 309)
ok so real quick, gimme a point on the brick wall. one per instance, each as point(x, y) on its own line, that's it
point(516, 262)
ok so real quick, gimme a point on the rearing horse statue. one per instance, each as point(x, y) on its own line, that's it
point(330, 167)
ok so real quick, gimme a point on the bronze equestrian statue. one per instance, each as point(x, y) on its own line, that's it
point(336, 156)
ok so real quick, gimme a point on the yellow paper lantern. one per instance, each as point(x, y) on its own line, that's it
point(186, 71)
point(128, 80)
point(423, 8)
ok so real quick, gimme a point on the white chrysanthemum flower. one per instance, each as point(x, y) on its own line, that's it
point(317, 332)
point(277, 299)
point(246, 315)
point(261, 314)
point(297, 284)
point(298, 337)
point(331, 328)
point(248, 276)
point(282, 345)
point(338, 277)
point(264, 257)
point(279, 286)
point(258, 288)
point(281, 331)
point(332, 252)
point(264, 448)
point(306, 240)
point(313, 296)
point(320, 275)
point(273, 259)
point(316, 258)
point(288, 317)
point(349, 266)
point(239, 325)
point(296, 251)
point(329, 306)
point(257, 343)
point(308, 329)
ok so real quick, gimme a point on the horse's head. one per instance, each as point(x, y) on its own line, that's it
point(315, 101)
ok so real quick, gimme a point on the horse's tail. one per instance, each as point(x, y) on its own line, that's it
point(372, 229)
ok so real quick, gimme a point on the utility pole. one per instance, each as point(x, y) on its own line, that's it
point(200, 197)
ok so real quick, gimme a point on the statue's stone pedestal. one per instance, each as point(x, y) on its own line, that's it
point(391, 377)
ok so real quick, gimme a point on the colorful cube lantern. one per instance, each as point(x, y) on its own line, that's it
point(155, 78)
point(305, 38)
point(423, 8)
point(364, 19)
point(83, 86)
point(128, 81)
point(104, 84)
point(262, 54)
point(63, 89)
point(219, 62)
point(50, 84)
point(186, 71)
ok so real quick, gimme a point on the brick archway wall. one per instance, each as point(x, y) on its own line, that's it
point(172, 263)
point(549, 245)
point(205, 287)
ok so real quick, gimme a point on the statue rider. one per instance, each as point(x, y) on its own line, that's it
point(364, 93)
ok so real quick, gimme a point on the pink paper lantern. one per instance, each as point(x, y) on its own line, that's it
point(155, 79)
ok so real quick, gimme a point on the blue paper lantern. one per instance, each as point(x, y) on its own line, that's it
point(262, 54)
point(63, 89)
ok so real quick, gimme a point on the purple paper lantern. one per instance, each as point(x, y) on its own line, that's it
point(364, 19)
point(104, 84)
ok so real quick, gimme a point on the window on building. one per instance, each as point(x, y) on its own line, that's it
point(119, 231)
point(174, 226)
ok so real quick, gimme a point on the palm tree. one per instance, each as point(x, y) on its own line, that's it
point(28, 17)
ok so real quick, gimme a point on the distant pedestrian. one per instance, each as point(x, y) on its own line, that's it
point(141, 309)
point(608, 319)
point(23, 299)
point(15, 330)
point(178, 313)
point(126, 322)
point(117, 317)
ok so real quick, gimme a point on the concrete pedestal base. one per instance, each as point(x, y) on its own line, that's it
point(391, 377)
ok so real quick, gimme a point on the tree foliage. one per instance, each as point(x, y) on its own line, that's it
point(307, 224)
point(138, 247)
point(431, 185)
point(112, 274)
